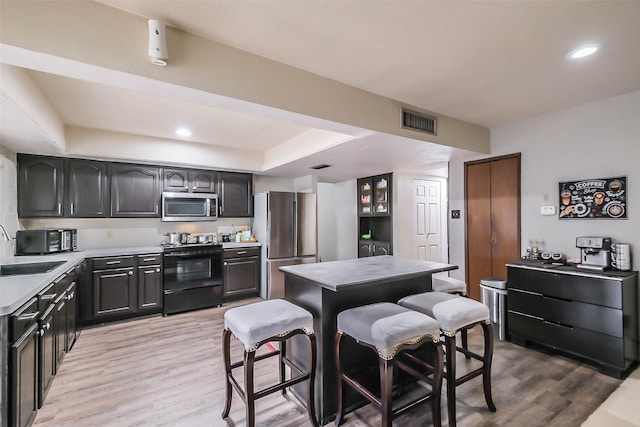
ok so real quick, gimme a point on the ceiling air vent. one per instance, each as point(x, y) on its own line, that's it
point(418, 121)
point(322, 166)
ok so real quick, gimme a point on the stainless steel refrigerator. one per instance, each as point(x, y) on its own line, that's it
point(287, 226)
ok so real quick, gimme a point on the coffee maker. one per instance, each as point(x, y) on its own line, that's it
point(595, 252)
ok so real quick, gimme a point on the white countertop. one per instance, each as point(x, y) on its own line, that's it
point(232, 245)
point(18, 289)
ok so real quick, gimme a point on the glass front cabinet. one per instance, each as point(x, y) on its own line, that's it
point(374, 195)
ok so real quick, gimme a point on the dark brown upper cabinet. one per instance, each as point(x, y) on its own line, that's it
point(135, 190)
point(235, 194)
point(40, 186)
point(87, 191)
point(190, 180)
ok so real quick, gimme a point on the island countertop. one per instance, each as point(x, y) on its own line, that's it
point(347, 274)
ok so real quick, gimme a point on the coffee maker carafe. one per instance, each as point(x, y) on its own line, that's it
point(595, 252)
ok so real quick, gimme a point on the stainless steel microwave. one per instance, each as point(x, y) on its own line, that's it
point(189, 206)
point(46, 241)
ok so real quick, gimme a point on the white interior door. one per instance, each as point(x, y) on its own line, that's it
point(429, 220)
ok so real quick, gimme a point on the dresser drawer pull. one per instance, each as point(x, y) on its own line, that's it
point(113, 262)
point(557, 298)
point(148, 259)
point(48, 296)
point(526, 315)
point(241, 252)
point(29, 316)
point(559, 324)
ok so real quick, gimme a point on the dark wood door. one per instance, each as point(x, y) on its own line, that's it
point(492, 195)
point(40, 186)
point(203, 181)
point(114, 293)
point(176, 180)
point(235, 194)
point(71, 316)
point(150, 288)
point(23, 390)
point(241, 276)
point(60, 328)
point(135, 191)
point(87, 192)
point(46, 354)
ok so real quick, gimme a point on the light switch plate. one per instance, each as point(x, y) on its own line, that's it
point(547, 210)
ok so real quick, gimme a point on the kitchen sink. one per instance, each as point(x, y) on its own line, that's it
point(29, 268)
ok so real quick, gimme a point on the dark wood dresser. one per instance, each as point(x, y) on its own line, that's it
point(588, 314)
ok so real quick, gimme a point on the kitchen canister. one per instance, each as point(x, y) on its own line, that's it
point(621, 256)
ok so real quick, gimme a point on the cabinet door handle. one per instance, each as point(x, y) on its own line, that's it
point(48, 297)
point(148, 259)
point(156, 209)
point(130, 273)
point(226, 263)
point(72, 206)
point(29, 316)
point(157, 270)
point(59, 208)
point(48, 325)
point(113, 262)
point(241, 252)
point(186, 187)
point(41, 332)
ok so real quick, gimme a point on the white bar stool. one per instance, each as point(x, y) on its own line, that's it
point(455, 313)
point(257, 324)
point(389, 329)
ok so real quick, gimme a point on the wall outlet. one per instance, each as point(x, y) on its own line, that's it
point(455, 214)
point(547, 210)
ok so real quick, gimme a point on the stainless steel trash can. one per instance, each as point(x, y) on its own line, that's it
point(494, 296)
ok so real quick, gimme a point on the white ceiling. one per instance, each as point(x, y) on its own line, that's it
point(486, 62)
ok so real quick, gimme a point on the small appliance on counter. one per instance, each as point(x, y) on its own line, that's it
point(46, 241)
point(595, 252)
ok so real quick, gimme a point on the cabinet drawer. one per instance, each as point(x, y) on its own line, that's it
point(113, 262)
point(21, 319)
point(592, 345)
point(150, 259)
point(595, 318)
point(240, 252)
point(593, 290)
point(46, 297)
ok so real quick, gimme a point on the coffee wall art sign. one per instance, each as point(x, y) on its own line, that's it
point(599, 198)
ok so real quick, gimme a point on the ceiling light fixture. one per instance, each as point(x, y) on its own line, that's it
point(584, 51)
point(184, 132)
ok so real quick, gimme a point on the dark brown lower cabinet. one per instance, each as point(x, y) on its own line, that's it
point(24, 378)
point(114, 290)
point(241, 272)
point(149, 283)
point(373, 248)
point(60, 329)
point(591, 315)
point(46, 354)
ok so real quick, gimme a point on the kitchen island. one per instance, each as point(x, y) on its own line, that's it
point(327, 288)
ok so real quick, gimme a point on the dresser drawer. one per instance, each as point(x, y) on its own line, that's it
point(113, 262)
point(591, 345)
point(240, 252)
point(595, 318)
point(602, 291)
point(150, 259)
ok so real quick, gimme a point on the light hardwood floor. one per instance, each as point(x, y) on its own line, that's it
point(167, 371)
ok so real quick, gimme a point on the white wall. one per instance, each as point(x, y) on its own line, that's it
point(595, 140)
point(8, 201)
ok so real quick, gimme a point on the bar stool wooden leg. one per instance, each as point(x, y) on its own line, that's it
point(226, 344)
point(386, 387)
point(281, 364)
point(450, 344)
point(487, 360)
point(465, 342)
point(250, 404)
point(340, 392)
point(311, 397)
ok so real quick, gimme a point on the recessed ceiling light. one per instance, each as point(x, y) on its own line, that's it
point(183, 132)
point(584, 51)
